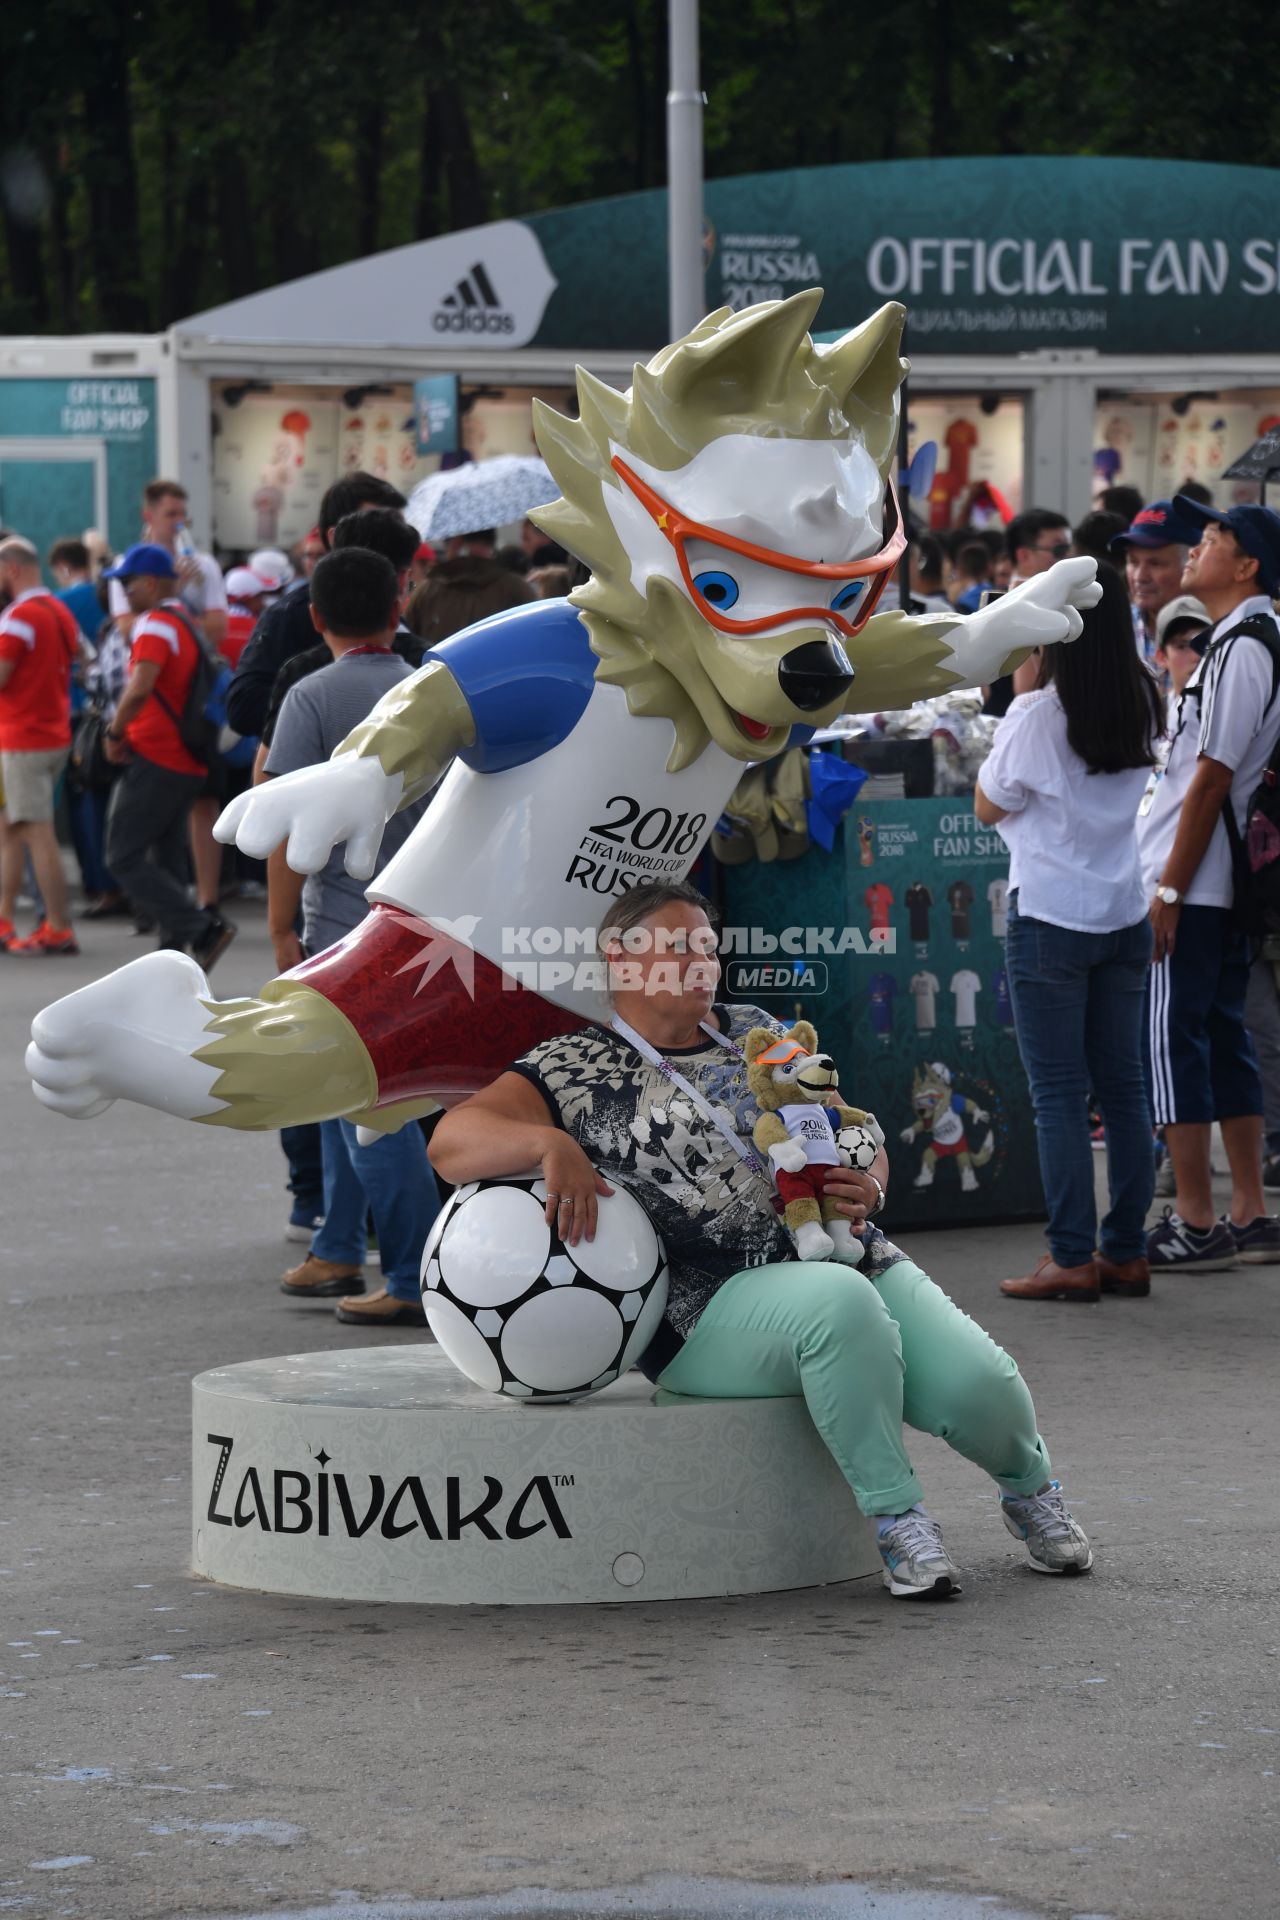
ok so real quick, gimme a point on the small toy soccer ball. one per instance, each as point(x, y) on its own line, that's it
point(858, 1146)
point(520, 1312)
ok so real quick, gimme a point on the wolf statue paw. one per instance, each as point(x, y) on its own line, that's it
point(129, 1036)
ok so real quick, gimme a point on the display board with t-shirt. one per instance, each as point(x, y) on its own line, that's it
point(914, 1007)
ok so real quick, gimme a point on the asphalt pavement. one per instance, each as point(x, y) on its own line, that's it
point(1099, 1747)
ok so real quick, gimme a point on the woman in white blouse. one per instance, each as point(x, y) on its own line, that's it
point(1063, 783)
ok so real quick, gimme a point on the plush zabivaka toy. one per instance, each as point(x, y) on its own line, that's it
point(737, 510)
point(804, 1129)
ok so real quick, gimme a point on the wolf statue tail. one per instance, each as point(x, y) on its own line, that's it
point(980, 1156)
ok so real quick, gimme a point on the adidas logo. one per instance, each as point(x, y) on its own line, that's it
point(473, 306)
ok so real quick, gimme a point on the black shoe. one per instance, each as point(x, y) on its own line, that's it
point(214, 942)
point(1271, 1172)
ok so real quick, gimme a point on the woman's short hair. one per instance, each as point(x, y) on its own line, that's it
point(629, 909)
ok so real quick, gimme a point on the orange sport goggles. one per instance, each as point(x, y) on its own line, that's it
point(780, 1054)
point(715, 590)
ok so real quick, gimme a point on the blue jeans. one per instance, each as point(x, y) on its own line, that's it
point(393, 1179)
point(1078, 1002)
point(87, 813)
point(306, 1170)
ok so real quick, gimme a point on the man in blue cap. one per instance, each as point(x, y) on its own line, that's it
point(1202, 1062)
point(1154, 551)
point(161, 778)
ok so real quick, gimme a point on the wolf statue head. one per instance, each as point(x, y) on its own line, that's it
point(737, 510)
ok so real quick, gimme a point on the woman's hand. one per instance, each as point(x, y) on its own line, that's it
point(854, 1194)
point(573, 1187)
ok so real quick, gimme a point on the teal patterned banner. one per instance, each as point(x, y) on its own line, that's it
point(993, 255)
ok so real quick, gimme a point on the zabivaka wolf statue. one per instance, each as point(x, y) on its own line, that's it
point(737, 510)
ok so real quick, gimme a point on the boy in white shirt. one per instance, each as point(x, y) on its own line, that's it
point(1201, 1060)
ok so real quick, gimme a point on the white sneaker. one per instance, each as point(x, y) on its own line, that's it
point(301, 1232)
point(1055, 1542)
point(916, 1564)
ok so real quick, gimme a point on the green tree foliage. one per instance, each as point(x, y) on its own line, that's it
point(158, 159)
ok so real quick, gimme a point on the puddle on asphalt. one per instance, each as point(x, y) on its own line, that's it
point(672, 1897)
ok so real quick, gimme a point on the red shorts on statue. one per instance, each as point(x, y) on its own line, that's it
point(438, 1019)
point(806, 1185)
point(947, 1150)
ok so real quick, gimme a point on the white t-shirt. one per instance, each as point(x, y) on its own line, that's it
point(1071, 834)
point(1225, 712)
point(998, 901)
point(206, 595)
point(966, 987)
point(924, 986)
point(811, 1127)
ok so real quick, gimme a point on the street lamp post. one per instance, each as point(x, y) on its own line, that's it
point(688, 301)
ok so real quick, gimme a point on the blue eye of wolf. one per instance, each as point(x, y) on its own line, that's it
point(719, 590)
point(847, 597)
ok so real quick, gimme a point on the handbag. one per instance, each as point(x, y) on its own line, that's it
point(90, 768)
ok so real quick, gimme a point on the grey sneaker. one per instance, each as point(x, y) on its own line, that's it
point(1166, 1187)
point(916, 1564)
point(1258, 1244)
point(1055, 1542)
point(1174, 1247)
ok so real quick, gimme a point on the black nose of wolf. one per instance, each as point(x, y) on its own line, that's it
point(814, 675)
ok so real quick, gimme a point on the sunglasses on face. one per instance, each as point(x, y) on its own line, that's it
point(738, 574)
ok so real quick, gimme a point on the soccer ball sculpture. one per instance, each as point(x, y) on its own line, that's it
point(522, 1313)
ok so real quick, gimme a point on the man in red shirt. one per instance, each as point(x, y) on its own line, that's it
point(39, 641)
point(147, 826)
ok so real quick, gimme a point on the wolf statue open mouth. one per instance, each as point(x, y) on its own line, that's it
point(737, 512)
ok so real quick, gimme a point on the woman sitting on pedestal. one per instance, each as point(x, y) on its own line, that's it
point(659, 1098)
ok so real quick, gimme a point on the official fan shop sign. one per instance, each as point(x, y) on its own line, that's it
point(991, 255)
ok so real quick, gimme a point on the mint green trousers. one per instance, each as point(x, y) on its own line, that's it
point(867, 1355)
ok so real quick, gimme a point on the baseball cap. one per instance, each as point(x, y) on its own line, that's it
point(1256, 528)
point(272, 567)
point(1162, 524)
point(143, 558)
point(1184, 607)
point(243, 582)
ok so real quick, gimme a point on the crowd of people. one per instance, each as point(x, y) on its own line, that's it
point(140, 696)
point(1142, 971)
point(113, 656)
point(1120, 776)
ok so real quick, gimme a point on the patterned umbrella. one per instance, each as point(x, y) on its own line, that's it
point(484, 493)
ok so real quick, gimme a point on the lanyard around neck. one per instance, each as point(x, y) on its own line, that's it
point(719, 1119)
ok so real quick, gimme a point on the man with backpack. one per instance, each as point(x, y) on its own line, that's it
point(163, 742)
point(1191, 828)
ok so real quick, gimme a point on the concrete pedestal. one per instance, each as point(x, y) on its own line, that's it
point(384, 1475)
